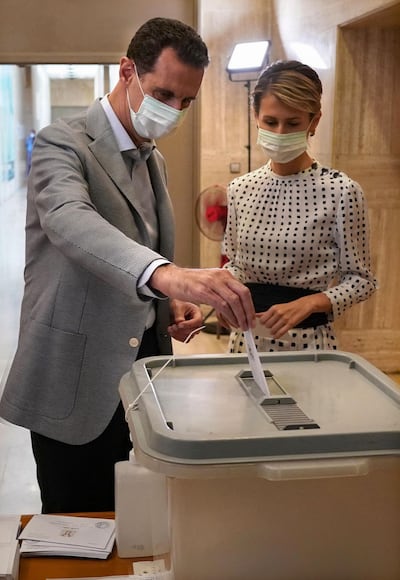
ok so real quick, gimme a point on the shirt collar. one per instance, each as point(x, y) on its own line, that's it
point(124, 141)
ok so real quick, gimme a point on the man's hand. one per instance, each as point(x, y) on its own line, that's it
point(185, 317)
point(212, 286)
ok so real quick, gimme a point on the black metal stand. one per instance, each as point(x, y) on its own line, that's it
point(248, 146)
point(213, 327)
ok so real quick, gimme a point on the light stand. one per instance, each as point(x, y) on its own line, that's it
point(247, 60)
point(248, 146)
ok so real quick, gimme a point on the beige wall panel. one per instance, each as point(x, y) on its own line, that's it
point(224, 23)
point(300, 18)
point(366, 146)
point(367, 82)
point(180, 152)
point(91, 31)
point(313, 23)
point(366, 344)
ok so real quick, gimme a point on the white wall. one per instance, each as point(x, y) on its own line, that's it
point(40, 97)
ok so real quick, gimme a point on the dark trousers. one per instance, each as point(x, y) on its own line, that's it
point(80, 478)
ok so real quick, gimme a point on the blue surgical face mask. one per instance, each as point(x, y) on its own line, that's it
point(283, 147)
point(154, 119)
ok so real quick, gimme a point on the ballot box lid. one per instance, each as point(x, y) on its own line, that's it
point(208, 410)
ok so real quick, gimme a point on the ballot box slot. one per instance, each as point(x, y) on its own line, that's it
point(281, 408)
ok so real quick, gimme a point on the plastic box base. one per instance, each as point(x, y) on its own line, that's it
point(340, 528)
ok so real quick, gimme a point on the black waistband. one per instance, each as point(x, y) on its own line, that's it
point(266, 295)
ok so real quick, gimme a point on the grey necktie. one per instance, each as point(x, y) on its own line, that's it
point(144, 194)
point(142, 153)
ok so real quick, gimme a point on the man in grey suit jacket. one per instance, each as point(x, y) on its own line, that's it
point(100, 285)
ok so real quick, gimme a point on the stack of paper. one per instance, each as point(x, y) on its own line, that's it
point(9, 549)
point(48, 535)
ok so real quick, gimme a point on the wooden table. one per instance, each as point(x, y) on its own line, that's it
point(41, 568)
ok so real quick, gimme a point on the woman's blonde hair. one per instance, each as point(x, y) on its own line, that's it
point(295, 84)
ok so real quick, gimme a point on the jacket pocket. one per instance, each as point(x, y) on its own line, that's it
point(45, 374)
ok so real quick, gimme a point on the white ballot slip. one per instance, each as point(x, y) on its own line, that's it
point(255, 363)
point(261, 330)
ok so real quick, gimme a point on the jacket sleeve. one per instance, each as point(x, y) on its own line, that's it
point(60, 195)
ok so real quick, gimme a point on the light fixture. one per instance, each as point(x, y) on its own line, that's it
point(246, 62)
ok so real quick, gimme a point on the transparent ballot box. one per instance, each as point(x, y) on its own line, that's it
point(303, 484)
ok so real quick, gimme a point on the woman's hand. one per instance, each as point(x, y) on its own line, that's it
point(282, 317)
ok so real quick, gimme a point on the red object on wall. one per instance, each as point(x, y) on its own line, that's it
point(215, 213)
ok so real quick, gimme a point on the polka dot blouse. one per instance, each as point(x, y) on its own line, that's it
point(308, 230)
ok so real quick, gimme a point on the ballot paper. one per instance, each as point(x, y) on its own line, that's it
point(263, 331)
point(48, 535)
point(255, 364)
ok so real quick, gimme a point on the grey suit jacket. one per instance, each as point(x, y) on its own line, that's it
point(86, 247)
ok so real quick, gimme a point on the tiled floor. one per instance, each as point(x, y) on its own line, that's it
point(18, 489)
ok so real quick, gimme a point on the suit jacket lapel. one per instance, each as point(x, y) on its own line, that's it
point(105, 149)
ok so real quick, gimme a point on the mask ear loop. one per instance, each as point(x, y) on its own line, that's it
point(134, 406)
point(140, 87)
point(129, 101)
point(137, 78)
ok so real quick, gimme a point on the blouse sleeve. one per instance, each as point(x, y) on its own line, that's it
point(355, 278)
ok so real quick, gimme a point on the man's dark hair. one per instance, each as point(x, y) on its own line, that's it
point(159, 33)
